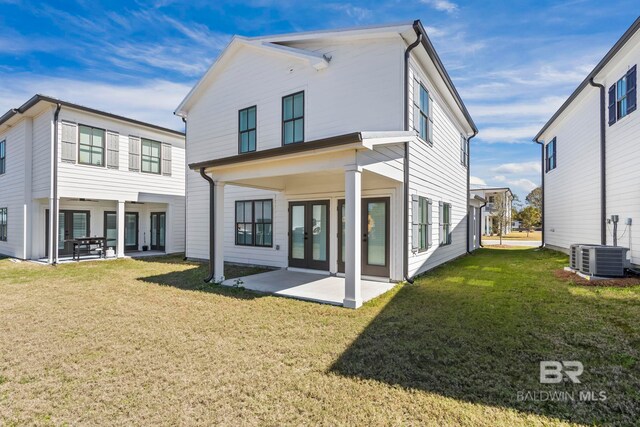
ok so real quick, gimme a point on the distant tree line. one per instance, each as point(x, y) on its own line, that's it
point(530, 216)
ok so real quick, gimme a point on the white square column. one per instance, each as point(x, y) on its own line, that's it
point(120, 228)
point(219, 232)
point(353, 242)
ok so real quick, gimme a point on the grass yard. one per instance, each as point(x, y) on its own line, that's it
point(518, 235)
point(144, 342)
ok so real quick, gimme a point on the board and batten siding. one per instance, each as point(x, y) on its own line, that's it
point(437, 174)
point(12, 189)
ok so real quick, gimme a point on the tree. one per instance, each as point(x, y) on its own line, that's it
point(534, 198)
point(516, 203)
point(501, 212)
point(530, 217)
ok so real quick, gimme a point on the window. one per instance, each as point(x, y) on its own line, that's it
point(91, 147)
point(622, 96)
point(293, 118)
point(247, 129)
point(550, 156)
point(445, 224)
point(3, 224)
point(254, 223)
point(464, 151)
point(423, 123)
point(3, 157)
point(151, 156)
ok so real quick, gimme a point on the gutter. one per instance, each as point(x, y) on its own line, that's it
point(54, 210)
point(475, 132)
point(405, 243)
point(542, 173)
point(603, 163)
point(186, 177)
point(212, 223)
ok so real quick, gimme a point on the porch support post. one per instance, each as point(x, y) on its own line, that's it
point(219, 234)
point(353, 269)
point(120, 228)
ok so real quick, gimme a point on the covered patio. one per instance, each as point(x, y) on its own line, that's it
point(306, 286)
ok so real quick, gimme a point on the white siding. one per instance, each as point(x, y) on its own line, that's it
point(12, 190)
point(42, 139)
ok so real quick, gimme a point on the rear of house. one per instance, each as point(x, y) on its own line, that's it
point(312, 152)
point(490, 225)
point(590, 156)
point(108, 176)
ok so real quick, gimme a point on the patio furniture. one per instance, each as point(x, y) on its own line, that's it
point(88, 246)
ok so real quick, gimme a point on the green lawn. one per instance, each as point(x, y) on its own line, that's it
point(145, 342)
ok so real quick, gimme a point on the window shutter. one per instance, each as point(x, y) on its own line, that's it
point(429, 223)
point(166, 159)
point(441, 224)
point(430, 125)
point(113, 150)
point(612, 105)
point(555, 159)
point(416, 106)
point(134, 153)
point(415, 223)
point(69, 138)
point(631, 90)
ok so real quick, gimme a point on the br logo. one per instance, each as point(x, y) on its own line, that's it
point(554, 372)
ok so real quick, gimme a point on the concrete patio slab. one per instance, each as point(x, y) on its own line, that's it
point(307, 286)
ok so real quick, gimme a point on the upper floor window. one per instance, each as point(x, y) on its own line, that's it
point(550, 155)
point(622, 96)
point(464, 151)
point(3, 224)
point(91, 146)
point(247, 129)
point(151, 156)
point(293, 118)
point(3, 156)
point(423, 122)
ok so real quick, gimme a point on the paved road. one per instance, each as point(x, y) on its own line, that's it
point(507, 242)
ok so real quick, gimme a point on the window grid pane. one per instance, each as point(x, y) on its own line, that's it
point(254, 223)
point(247, 130)
point(151, 156)
point(293, 118)
point(91, 146)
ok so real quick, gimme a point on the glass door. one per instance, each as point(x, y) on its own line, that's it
point(71, 225)
point(158, 225)
point(111, 229)
point(309, 234)
point(131, 231)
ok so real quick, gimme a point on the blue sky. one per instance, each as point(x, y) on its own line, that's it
point(513, 62)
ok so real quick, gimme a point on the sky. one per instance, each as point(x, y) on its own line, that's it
point(513, 62)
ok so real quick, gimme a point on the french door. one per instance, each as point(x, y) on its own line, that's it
point(158, 231)
point(130, 230)
point(375, 236)
point(309, 234)
point(71, 225)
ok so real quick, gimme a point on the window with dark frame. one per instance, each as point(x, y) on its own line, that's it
point(3, 156)
point(3, 224)
point(293, 118)
point(150, 156)
point(550, 156)
point(91, 145)
point(254, 223)
point(247, 129)
point(423, 122)
point(445, 224)
point(623, 96)
point(424, 229)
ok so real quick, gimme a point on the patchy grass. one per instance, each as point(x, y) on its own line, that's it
point(142, 342)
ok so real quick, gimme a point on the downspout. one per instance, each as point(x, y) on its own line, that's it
point(186, 177)
point(475, 132)
point(54, 211)
point(212, 223)
point(407, 55)
point(480, 224)
point(542, 186)
point(603, 164)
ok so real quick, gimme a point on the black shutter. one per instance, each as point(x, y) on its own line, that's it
point(612, 105)
point(555, 159)
point(631, 89)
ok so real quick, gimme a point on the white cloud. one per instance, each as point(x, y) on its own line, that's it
point(441, 5)
point(536, 108)
point(359, 14)
point(477, 181)
point(521, 184)
point(518, 168)
point(511, 135)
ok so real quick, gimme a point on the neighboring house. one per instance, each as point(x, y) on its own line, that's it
point(328, 151)
point(108, 176)
point(489, 222)
point(590, 156)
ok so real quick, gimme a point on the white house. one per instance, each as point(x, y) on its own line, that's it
point(590, 156)
point(339, 151)
point(100, 174)
point(489, 221)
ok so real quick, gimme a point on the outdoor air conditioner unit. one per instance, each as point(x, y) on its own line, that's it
point(605, 261)
point(575, 256)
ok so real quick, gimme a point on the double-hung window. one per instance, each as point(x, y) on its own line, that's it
point(3, 224)
point(550, 155)
point(254, 223)
point(445, 224)
point(622, 96)
point(421, 224)
point(423, 122)
point(293, 118)
point(151, 156)
point(247, 129)
point(3, 156)
point(91, 146)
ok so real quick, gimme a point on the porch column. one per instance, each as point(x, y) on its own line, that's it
point(219, 234)
point(120, 228)
point(353, 205)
